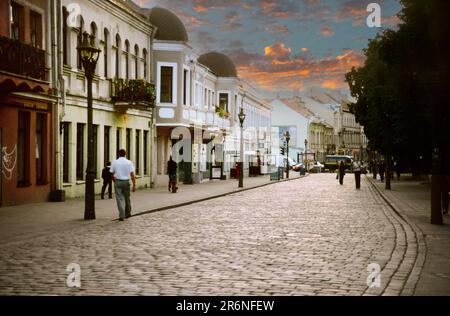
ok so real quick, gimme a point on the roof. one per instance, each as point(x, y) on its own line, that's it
point(170, 27)
point(221, 65)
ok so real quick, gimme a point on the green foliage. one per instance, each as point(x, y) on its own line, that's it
point(133, 91)
point(396, 88)
point(222, 112)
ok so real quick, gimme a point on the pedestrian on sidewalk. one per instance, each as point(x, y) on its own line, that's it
point(171, 171)
point(397, 169)
point(341, 172)
point(123, 171)
point(357, 172)
point(381, 170)
point(107, 180)
point(374, 169)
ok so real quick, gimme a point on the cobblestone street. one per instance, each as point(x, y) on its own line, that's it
point(308, 236)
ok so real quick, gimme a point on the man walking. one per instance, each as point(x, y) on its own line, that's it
point(123, 170)
point(357, 172)
point(107, 180)
point(171, 171)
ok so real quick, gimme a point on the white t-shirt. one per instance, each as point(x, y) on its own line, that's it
point(356, 166)
point(122, 168)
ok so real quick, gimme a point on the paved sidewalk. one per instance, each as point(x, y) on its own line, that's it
point(32, 220)
point(412, 199)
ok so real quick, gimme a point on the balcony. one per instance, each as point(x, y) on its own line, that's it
point(135, 94)
point(22, 59)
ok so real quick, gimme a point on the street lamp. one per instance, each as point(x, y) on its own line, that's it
point(306, 150)
point(89, 56)
point(288, 138)
point(241, 117)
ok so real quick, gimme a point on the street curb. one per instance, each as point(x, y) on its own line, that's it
point(168, 207)
point(413, 277)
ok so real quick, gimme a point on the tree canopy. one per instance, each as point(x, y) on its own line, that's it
point(402, 89)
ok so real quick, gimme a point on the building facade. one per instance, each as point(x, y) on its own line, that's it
point(122, 115)
point(27, 102)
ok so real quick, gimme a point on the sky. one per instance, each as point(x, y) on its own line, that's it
point(282, 47)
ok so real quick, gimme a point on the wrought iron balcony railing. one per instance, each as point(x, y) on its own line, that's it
point(22, 59)
point(134, 92)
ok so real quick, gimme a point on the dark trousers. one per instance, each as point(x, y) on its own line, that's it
point(341, 178)
point(109, 185)
point(358, 179)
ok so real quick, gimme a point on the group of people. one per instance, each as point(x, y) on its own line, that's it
point(378, 167)
point(120, 172)
point(356, 166)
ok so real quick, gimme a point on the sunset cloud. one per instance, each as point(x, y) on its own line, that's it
point(326, 31)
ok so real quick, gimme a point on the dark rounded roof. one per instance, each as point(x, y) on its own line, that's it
point(170, 27)
point(220, 64)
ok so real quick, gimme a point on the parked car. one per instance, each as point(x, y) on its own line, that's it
point(296, 166)
point(316, 167)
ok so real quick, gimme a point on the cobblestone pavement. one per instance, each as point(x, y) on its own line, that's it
point(304, 237)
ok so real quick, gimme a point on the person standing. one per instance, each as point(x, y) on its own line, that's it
point(107, 180)
point(357, 172)
point(381, 170)
point(123, 171)
point(171, 171)
point(341, 172)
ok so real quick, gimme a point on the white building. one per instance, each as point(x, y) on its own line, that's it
point(197, 105)
point(124, 37)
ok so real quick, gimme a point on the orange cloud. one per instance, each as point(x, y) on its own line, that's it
point(278, 51)
point(326, 31)
point(200, 9)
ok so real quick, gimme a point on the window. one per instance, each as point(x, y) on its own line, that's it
point(95, 132)
point(166, 84)
point(144, 56)
point(185, 86)
point(80, 40)
point(145, 152)
point(65, 34)
point(118, 132)
point(105, 52)
point(138, 151)
point(41, 124)
point(66, 153)
point(80, 151)
point(136, 61)
point(223, 101)
point(35, 29)
point(23, 149)
point(106, 147)
point(16, 21)
point(117, 56)
point(213, 99)
point(128, 144)
point(127, 59)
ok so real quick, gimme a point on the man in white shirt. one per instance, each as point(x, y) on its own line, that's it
point(357, 172)
point(123, 170)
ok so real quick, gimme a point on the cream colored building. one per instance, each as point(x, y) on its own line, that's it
point(124, 37)
point(197, 103)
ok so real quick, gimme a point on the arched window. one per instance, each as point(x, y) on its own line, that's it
point(105, 51)
point(144, 56)
point(117, 55)
point(80, 39)
point(127, 59)
point(136, 61)
point(94, 29)
point(65, 34)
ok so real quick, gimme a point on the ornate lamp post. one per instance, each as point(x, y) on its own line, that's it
point(287, 136)
point(89, 56)
point(241, 117)
point(306, 156)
